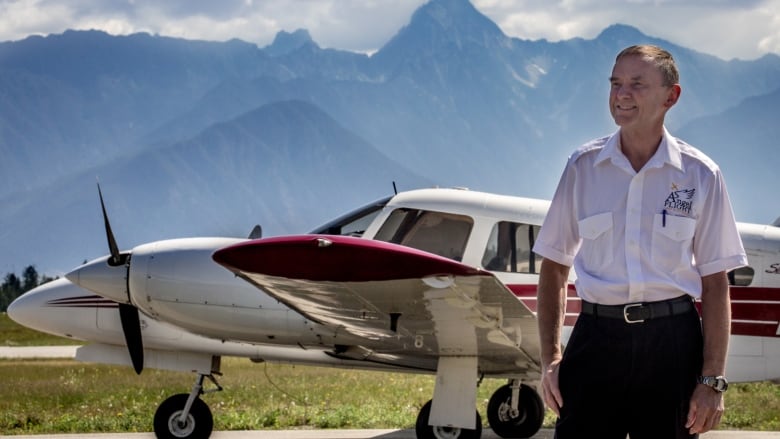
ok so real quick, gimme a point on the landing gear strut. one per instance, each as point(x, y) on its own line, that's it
point(186, 415)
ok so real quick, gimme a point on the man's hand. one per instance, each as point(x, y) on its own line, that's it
point(705, 410)
point(552, 394)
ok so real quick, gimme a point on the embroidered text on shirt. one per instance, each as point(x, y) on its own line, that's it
point(680, 200)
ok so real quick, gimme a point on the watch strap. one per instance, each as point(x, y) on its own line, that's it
point(717, 383)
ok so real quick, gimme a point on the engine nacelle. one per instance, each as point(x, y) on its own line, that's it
point(178, 282)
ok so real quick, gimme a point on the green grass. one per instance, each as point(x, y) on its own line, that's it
point(65, 396)
point(12, 334)
point(58, 396)
point(753, 406)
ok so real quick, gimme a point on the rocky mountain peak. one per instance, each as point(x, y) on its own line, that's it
point(286, 42)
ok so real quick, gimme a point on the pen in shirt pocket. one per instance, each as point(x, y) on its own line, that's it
point(663, 218)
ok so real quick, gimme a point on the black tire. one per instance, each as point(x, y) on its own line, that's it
point(527, 422)
point(425, 431)
point(199, 423)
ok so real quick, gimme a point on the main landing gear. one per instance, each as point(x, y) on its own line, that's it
point(186, 416)
point(514, 411)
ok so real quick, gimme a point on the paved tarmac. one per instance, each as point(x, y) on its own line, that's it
point(70, 351)
point(31, 352)
point(356, 434)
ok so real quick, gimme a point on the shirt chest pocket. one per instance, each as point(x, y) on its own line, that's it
point(596, 253)
point(672, 238)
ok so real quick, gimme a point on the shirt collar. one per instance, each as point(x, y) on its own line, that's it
point(668, 152)
point(672, 152)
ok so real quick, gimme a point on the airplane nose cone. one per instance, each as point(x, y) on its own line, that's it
point(102, 279)
point(26, 310)
point(19, 309)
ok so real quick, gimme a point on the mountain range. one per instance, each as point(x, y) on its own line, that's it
point(192, 138)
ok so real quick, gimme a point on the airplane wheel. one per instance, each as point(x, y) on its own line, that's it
point(525, 423)
point(425, 431)
point(199, 421)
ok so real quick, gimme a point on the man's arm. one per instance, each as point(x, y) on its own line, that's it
point(707, 406)
point(551, 309)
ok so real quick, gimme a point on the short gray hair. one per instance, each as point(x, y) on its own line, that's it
point(660, 57)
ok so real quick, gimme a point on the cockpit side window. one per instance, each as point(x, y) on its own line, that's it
point(509, 248)
point(440, 233)
point(741, 277)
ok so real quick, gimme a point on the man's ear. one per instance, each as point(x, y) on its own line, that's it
point(674, 95)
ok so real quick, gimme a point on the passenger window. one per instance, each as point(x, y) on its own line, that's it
point(741, 277)
point(509, 248)
point(439, 233)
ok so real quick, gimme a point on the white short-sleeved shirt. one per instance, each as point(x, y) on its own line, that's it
point(640, 236)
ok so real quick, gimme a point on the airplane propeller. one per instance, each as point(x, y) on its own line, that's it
point(117, 258)
point(128, 314)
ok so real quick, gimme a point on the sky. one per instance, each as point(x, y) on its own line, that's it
point(744, 29)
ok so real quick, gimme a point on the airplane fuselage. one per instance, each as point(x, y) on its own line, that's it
point(178, 283)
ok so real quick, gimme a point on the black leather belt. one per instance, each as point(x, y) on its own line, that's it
point(639, 312)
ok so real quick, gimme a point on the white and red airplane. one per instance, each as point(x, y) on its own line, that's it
point(430, 281)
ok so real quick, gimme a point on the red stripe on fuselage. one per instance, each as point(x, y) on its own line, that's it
point(755, 293)
point(92, 301)
point(755, 329)
point(755, 311)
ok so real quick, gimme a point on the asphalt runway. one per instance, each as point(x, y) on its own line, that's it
point(69, 352)
point(356, 434)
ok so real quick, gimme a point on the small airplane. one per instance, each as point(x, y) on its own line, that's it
point(439, 281)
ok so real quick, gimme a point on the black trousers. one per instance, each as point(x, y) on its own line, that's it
point(619, 379)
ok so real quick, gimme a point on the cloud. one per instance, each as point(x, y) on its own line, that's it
point(752, 26)
point(21, 18)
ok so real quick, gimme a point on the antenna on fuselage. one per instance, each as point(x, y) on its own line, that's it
point(256, 233)
point(395, 190)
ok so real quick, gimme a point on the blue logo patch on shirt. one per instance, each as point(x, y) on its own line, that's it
point(680, 200)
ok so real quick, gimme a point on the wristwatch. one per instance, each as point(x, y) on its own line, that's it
point(718, 383)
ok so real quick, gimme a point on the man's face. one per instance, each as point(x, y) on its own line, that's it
point(637, 98)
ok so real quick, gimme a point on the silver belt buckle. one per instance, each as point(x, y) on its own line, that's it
point(625, 312)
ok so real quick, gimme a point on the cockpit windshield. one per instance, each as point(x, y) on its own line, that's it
point(355, 222)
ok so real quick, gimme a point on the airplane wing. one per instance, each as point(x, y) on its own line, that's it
point(393, 299)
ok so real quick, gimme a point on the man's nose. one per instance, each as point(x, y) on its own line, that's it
point(621, 91)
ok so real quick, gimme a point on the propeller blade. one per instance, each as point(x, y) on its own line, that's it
point(116, 257)
point(128, 314)
point(131, 326)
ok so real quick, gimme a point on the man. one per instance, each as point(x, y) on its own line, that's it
point(646, 222)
